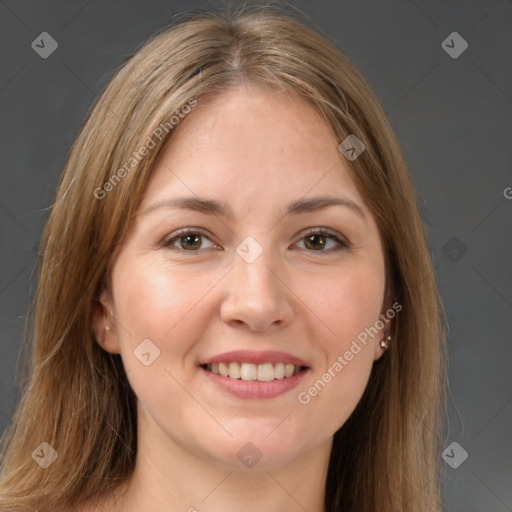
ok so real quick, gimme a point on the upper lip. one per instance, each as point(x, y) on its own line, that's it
point(251, 356)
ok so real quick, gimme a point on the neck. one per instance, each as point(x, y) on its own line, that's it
point(167, 478)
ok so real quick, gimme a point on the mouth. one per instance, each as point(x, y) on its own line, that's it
point(246, 371)
point(254, 375)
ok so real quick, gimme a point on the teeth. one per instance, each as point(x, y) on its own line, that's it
point(248, 371)
point(224, 369)
point(234, 371)
point(266, 372)
point(279, 370)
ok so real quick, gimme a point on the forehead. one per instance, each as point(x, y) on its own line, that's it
point(249, 143)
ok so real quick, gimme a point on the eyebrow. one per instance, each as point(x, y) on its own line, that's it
point(222, 209)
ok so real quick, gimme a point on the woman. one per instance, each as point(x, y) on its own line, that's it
point(236, 305)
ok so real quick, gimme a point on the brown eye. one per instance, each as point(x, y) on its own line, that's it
point(186, 240)
point(192, 241)
point(318, 239)
point(315, 242)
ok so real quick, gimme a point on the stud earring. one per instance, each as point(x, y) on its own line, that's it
point(385, 343)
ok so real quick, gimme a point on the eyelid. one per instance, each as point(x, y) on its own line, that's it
point(166, 241)
point(342, 242)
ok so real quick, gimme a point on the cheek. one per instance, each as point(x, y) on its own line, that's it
point(345, 301)
point(348, 305)
point(153, 299)
point(167, 305)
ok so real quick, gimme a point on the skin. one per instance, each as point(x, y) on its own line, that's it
point(258, 151)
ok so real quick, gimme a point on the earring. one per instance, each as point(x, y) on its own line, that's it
point(107, 327)
point(385, 343)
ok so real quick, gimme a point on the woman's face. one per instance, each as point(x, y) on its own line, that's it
point(252, 283)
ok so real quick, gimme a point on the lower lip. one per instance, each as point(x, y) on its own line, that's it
point(253, 388)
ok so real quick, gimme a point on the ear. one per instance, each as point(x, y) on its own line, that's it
point(384, 326)
point(378, 350)
point(104, 325)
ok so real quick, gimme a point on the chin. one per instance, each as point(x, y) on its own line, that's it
point(254, 450)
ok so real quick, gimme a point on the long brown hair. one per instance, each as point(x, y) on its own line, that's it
point(76, 396)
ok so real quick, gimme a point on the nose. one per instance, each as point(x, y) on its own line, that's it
point(258, 297)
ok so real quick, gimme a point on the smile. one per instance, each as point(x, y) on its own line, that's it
point(254, 381)
point(253, 372)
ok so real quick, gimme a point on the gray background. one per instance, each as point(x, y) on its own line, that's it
point(453, 119)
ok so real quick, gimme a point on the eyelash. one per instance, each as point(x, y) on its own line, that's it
point(323, 232)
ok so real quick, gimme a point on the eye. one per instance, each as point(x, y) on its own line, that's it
point(187, 240)
point(317, 239)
